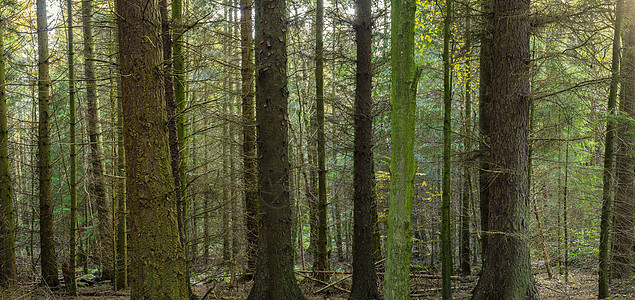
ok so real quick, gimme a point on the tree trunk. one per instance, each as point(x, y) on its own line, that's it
point(624, 210)
point(235, 193)
point(337, 217)
point(506, 270)
point(274, 276)
point(122, 210)
point(364, 276)
point(402, 165)
point(226, 142)
point(157, 255)
point(98, 183)
point(321, 262)
point(8, 271)
point(446, 231)
point(178, 74)
point(174, 141)
point(250, 176)
point(465, 252)
point(207, 222)
point(565, 194)
point(72, 289)
point(312, 183)
point(542, 240)
point(484, 111)
point(47, 243)
point(603, 271)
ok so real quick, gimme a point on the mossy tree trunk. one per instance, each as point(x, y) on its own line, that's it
point(402, 165)
point(274, 276)
point(446, 230)
point(603, 270)
point(8, 271)
point(364, 276)
point(173, 114)
point(506, 270)
point(97, 179)
point(47, 243)
point(157, 259)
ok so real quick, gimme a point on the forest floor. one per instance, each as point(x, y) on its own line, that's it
point(582, 285)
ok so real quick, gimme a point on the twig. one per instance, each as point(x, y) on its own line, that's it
point(428, 276)
point(326, 283)
point(333, 283)
point(210, 290)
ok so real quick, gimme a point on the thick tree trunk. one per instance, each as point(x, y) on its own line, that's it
point(47, 243)
point(506, 270)
point(603, 270)
point(274, 276)
point(8, 273)
point(402, 165)
point(157, 255)
point(364, 276)
point(624, 197)
point(97, 179)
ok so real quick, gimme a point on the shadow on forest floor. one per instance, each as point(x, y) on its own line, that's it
point(582, 285)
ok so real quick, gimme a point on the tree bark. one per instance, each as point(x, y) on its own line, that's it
point(178, 73)
point(465, 250)
point(603, 270)
point(175, 143)
point(250, 176)
point(226, 142)
point(47, 243)
point(402, 165)
point(506, 270)
point(157, 254)
point(122, 210)
point(8, 270)
point(274, 276)
point(364, 276)
point(484, 111)
point(624, 197)
point(72, 289)
point(321, 262)
point(446, 231)
point(97, 179)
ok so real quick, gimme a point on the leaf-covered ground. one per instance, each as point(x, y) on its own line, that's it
point(582, 285)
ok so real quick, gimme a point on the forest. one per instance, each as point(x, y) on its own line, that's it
point(342, 149)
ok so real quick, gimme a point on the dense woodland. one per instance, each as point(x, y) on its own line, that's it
point(273, 149)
